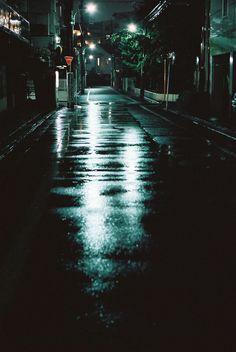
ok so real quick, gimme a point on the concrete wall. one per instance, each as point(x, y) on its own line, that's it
point(62, 92)
point(128, 86)
point(157, 96)
point(44, 19)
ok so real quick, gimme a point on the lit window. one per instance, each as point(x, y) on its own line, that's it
point(98, 61)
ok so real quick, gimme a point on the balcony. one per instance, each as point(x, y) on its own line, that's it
point(13, 23)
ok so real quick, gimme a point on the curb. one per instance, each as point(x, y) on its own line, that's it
point(222, 131)
point(19, 135)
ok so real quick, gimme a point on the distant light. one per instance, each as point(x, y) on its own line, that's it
point(91, 8)
point(132, 28)
point(109, 59)
point(172, 56)
point(90, 57)
point(92, 46)
point(57, 39)
point(98, 61)
point(76, 32)
point(57, 79)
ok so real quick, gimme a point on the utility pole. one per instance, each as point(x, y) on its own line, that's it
point(207, 45)
point(170, 64)
point(69, 50)
point(82, 46)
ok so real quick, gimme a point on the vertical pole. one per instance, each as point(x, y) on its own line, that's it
point(82, 63)
point(142, 83)
point(165, 78)
point(142, 87)
point(207, 45)
point(69, 49)
point(70, 88)
point(168, 84)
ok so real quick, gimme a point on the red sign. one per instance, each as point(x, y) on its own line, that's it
point(69, 59)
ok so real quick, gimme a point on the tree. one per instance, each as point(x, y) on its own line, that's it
point(140, 53)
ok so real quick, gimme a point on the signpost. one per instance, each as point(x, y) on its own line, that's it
point(70, 83)
point(69, 60)
point(171, 60)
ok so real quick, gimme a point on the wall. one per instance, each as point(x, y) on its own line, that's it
point(45, 26)
point(156, 96)
point(222, 56)
point(3, 88)
point(15, 48)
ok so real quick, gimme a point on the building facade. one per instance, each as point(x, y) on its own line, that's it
point(15, 48)
point(30, 32)
point(179, 24)
point(222, 57)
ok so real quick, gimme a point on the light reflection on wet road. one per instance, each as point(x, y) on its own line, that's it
point(108, 161)
point(129, 254)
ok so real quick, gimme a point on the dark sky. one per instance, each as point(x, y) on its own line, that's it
point(105, 9)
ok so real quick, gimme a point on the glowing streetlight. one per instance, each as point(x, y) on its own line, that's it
point(90, 57)
point(132, 28)
point(91, 7)
point(92, 46)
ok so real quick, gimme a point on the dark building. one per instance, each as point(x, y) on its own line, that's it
point(222, 57)
point(30, 32)
point(15, 49)
point(180, 25)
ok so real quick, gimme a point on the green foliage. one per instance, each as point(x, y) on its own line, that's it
point(140, 51)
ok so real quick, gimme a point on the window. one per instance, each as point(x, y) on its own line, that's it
point(225, 7)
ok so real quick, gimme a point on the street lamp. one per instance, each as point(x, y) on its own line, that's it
point(132, 28)
point(171, 60)
point(92, 46)
point(91, 8)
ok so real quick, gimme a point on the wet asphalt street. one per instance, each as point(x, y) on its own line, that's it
point(116, 241)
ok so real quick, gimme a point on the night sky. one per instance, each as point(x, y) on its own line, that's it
point(105, 9)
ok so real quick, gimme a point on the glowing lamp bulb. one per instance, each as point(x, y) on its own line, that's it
point(132, 28)
point(91, 8)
